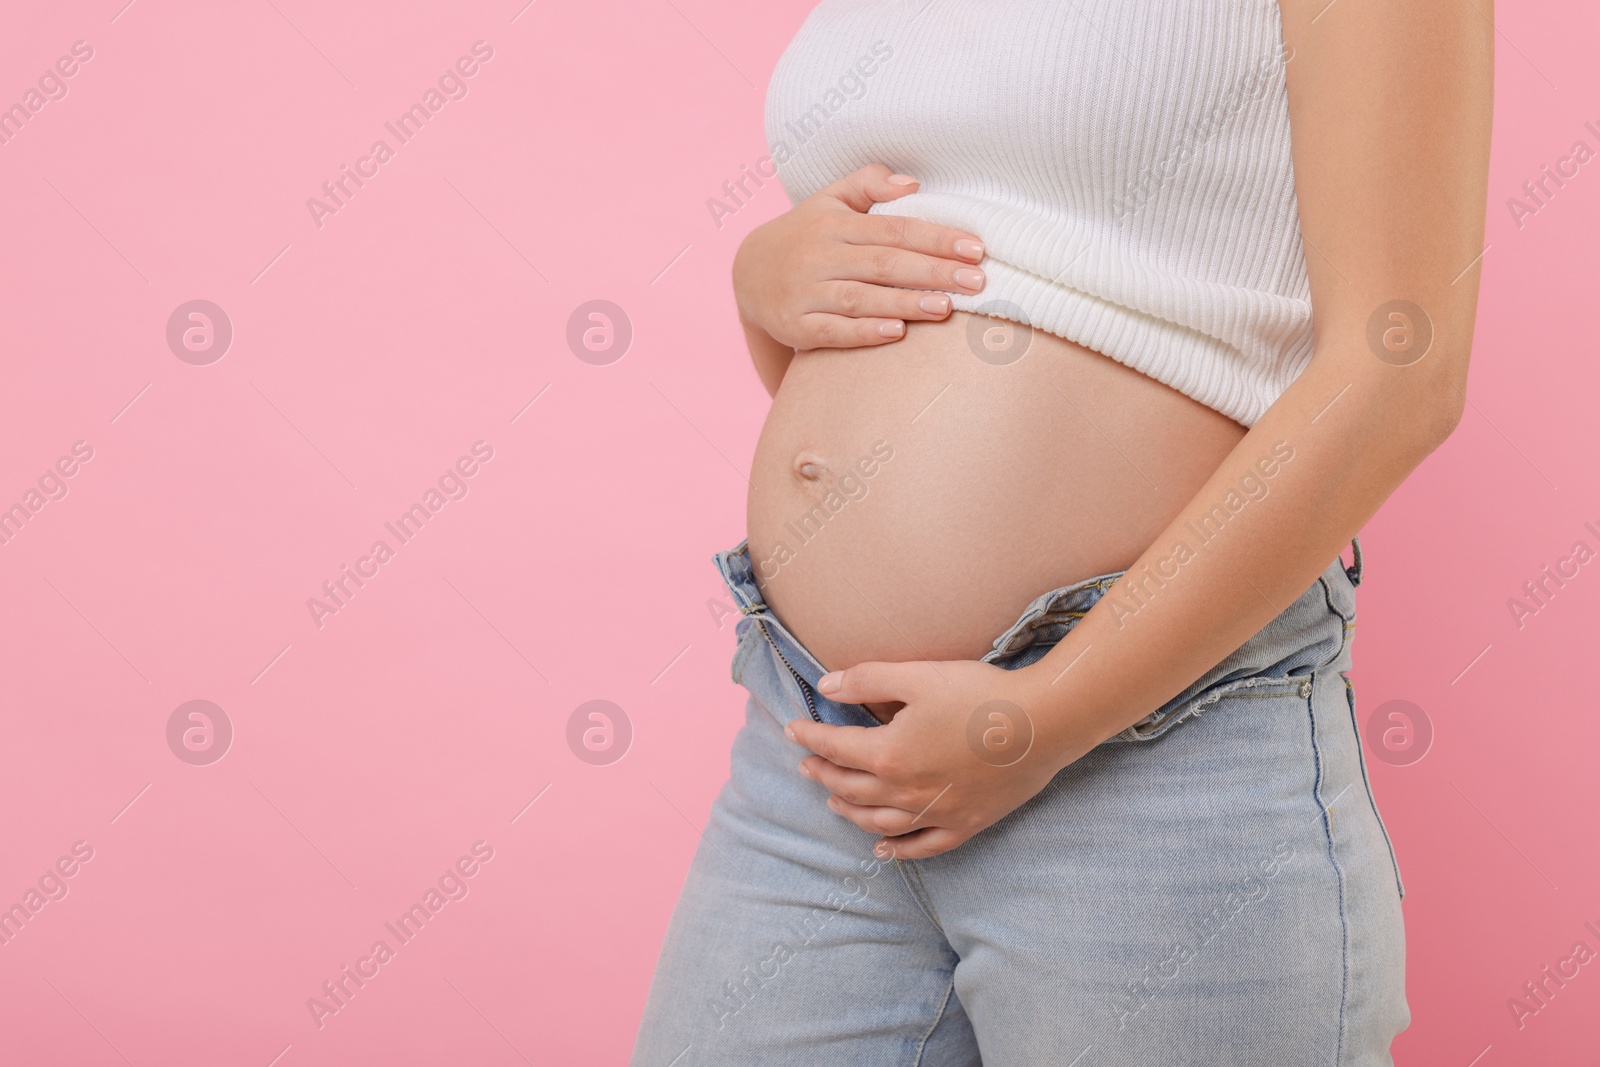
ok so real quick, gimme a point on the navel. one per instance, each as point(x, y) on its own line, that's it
point(810, 467)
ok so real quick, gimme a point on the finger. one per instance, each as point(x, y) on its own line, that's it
point(874, 184)
point(877, 682)
point(919, 844)
point(886, 265)
point(868, 185)
point(821, 330)
point(877, 820)
point(847, 746)
point(914, 235)
point(859, 300)
point(848, 784)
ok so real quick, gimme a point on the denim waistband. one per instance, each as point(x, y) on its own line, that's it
point(1311, 633)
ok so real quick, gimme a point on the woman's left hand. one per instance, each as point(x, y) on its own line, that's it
point(962, 753)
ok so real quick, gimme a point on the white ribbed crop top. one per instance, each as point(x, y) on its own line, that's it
point(1126, 165)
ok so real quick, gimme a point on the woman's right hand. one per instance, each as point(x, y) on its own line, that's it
point(826, 274)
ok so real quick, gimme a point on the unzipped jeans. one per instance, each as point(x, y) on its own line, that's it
point(1213, 887)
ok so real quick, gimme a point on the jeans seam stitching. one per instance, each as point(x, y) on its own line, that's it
point(944, 1002)
point(1366, 782)
point(741, 657)
point(1327, 598)
point(919, 892)
point(1347, 627)
point(1197, 705)
point(1333, 861)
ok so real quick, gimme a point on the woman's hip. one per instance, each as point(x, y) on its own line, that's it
point(1228, 878)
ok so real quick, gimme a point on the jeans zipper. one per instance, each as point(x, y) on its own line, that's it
point(805, 691)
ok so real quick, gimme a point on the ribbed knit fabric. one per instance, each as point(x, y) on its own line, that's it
point(1125, 162)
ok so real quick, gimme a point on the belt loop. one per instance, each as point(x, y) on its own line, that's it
point(1353, 572)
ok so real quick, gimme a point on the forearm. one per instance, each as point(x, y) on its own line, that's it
point(1379, 227)
point(1336, 444)
point(771, 358)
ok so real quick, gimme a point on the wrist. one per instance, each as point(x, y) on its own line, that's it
point(1061, 732)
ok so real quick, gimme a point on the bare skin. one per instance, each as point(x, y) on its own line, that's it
point(1390, 107)
point(872, 578)
point(1004, 482)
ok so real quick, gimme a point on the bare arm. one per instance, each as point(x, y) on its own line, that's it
point(771, 357)
point(1390, 107)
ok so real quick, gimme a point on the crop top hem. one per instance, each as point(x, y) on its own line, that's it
point(1212, 370)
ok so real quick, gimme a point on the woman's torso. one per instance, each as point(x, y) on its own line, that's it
point(908, 501)
point(1006, 461)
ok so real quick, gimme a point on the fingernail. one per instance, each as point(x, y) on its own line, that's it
point(828, 683)
point(833, 803)
point(900, 179)
point(788, 731)
point(891, 329)
point(969, 249)
point(882, 850)
point(969, 278)
point(805, 770)
point(934, 305)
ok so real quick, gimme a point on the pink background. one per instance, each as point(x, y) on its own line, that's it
point(372, 752)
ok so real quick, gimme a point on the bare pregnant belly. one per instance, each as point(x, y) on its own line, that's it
point(908, 501)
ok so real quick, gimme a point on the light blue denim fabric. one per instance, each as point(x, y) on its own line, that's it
point(1211, 887)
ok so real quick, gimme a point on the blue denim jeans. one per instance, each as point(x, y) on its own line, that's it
point(1213, 886)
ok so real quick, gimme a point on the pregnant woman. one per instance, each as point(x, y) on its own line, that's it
point(1095, 332)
